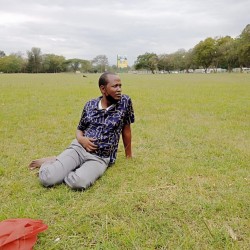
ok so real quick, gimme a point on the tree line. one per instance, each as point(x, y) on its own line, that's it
point(36, 62)
point(220, 52)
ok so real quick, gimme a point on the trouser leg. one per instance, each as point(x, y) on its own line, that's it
point(52, 173)
point(87, 173)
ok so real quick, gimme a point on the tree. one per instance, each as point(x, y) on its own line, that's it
point(189, 62)
point(2, 54)
point(34, 60)
point(178, 60)
point(100, 63)
point(226, 56)
point(86, 66)
point(13, 63)
point(244, 47)
point(3, 64)
point(204, 53)
point(77, 64)
point(148, 61)
point(74, 64)
point(53, 63)
point(114, 68)
point(164, 63)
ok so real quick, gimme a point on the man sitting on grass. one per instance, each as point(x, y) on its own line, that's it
point(102, 122)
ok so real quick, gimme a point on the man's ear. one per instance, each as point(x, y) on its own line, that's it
point(102, 89)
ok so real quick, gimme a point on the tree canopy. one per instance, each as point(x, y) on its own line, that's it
point(212, 53)
point(147, 61)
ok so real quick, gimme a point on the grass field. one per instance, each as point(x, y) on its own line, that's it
point(187, 186)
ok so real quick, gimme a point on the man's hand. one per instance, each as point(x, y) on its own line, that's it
point(86, 142)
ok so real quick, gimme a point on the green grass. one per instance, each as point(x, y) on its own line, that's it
point(186, 187)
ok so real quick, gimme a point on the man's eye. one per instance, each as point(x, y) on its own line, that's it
point(116, 86)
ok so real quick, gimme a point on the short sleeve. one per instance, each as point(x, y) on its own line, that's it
point(82, 125)
point(129, 117)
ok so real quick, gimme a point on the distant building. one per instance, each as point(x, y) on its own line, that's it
point(122, 61)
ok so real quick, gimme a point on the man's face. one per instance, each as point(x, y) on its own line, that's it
point(113, 90)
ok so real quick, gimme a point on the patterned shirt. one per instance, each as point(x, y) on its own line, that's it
point(106, 125)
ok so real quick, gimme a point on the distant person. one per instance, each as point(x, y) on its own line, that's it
point(102, 122)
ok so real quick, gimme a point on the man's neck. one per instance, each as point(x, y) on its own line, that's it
point(106, 103)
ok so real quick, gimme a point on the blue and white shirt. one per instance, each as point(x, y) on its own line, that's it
point(106, 125)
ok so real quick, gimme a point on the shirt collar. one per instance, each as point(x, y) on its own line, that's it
point(99, 106)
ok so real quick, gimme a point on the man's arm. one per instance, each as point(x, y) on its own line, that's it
point(87, 143)
point(126, 137)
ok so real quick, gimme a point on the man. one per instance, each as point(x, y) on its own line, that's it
point(102, 122)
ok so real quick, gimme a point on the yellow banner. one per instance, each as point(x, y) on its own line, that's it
point(122, 61)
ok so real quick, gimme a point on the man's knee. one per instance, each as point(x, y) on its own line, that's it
point(77, 183)
point(47, 178)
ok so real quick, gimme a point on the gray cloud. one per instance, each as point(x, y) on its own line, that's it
point(85, 29)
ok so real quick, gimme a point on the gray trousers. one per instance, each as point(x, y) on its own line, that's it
point(74, 166)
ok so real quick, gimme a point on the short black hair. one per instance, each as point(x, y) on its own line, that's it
point(103, 80)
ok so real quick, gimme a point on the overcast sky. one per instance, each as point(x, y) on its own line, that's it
point(84, 29)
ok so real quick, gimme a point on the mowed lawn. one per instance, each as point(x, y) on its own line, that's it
point(187, 186)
